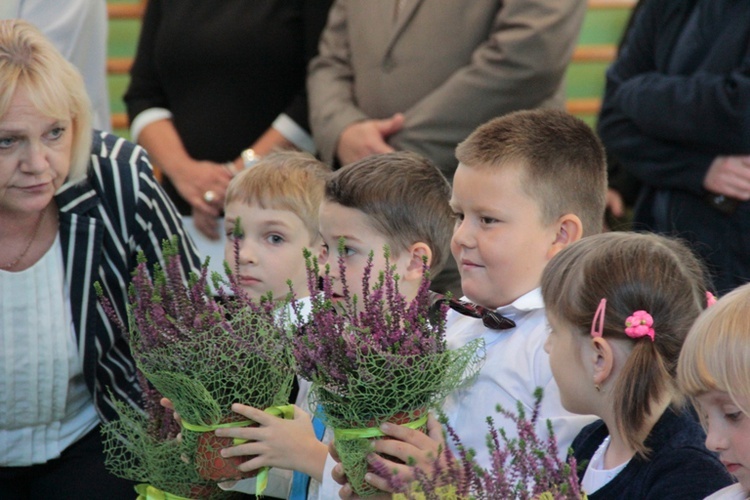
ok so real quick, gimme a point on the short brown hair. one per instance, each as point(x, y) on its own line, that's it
point(633, 272)
point(562, 161)
point(404, 196)
point(30, 62)
point(286, 180)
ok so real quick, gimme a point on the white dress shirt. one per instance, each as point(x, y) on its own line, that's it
point(515, 366)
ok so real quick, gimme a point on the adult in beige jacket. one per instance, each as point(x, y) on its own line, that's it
point(422, 74)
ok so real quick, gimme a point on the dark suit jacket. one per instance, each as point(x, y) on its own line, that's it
point(677, 97)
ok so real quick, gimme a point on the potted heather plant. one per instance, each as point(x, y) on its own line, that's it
point(142, 447)
point(526, 467)
point(375, 358)
point(205, 354)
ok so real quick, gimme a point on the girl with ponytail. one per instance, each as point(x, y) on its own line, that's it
point(619, 306)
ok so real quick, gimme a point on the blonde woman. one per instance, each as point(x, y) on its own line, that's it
point(75, 209)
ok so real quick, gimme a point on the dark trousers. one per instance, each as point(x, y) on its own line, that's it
point(79, 473)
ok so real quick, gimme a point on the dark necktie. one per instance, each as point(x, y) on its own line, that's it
point(491, 319)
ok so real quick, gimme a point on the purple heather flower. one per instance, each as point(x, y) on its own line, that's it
point(340, 331)
point(521, 468)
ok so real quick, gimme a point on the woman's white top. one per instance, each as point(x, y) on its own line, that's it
point(46, 405)
point(733, 492)
point(596, 475)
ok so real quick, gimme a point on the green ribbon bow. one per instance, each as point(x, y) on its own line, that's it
point(370, 432)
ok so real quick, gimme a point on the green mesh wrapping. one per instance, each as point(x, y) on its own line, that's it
point(392, 388)
point(204, 375)
point(133, 453)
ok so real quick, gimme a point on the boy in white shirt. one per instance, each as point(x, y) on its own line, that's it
point(527, 185)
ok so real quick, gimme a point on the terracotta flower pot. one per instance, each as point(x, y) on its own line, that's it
point(212, 466)
point(400, 418)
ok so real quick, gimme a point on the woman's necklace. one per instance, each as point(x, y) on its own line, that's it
point(28, 245)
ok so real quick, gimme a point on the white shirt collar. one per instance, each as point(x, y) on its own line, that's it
point(528, 302)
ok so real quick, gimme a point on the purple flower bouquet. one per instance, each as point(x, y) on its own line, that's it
point(375, 358)
point(205, 354)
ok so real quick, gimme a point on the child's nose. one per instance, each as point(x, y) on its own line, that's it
point(716, 439)
point(248, 254)
point(462, 234)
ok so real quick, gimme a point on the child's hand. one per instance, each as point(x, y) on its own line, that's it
point(407, 445)
point(287, 444)
point(167, 403)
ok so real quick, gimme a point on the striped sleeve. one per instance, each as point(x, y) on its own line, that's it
point(119, 212)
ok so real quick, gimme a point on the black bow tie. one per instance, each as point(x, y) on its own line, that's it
point(491, 319)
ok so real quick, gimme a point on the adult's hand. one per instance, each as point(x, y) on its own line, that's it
point(729, 176)
point(206, 223)
point(194, 178)
point(365, 138)
point(191, 178)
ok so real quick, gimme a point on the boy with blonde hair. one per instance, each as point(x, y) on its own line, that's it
point(271, 215)
point(527, 185)
point(271, 212)
point(398, 199)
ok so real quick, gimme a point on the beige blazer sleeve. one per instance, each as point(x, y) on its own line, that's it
point(449, 67)
point(330, 84)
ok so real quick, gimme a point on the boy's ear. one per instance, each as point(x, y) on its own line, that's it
point(569, 230)
point(416, 252)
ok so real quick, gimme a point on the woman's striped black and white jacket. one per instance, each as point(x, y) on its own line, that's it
point(105, 220)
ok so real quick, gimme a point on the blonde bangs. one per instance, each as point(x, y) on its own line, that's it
point(696, 373)
point(30, 62)
point(290, 181)
point(716, 353)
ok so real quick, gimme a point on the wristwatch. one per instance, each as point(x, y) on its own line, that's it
point(249, 157)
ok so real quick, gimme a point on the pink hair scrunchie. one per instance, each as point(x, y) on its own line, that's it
point(640, 325)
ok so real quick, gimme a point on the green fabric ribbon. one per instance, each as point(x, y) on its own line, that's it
point(148, 492)
point(286, 412)
point(209, 428)
point(370, 432)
